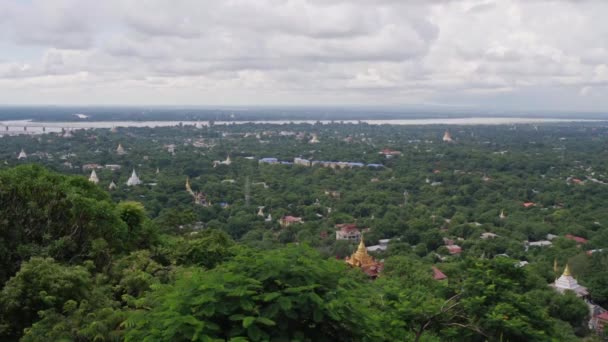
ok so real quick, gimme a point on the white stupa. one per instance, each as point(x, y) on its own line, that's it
point(120, 150)
point(268, 218)
point(133, 180)
point(261, 211)
point(93, 178)
point(502, 215)
point(567, 282)
point(112, 186)
point(22, 155)
point(315, 139)
point(447, 137)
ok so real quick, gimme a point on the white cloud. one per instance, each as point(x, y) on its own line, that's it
point(304, 51)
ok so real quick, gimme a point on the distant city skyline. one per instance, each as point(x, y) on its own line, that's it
point(478, 55)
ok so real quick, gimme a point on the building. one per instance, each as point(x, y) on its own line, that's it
point(93, 178)
point(226, 162)
point(367, 263)
point(261, 211)
point(112, 186)
point(87, 167)
point(287, 221)
point(348, 231)
point(454, 249)
point(447, 137)
point(529, 204)
point(566, 282)
point(381, 246)
point(488, 235)
point(22, 155)
point(315, 139)
point(438, 275)
point(579, 240)
point(120, 150)
point(133, 180)
point(388, 153)
point(268, 161)
point(502, 215)
point(301, 162)
point(113, 167)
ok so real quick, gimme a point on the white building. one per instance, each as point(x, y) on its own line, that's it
point(120, 150)
point(567, 282)
point(133, 180)
point(22, 155)
point(93, 178)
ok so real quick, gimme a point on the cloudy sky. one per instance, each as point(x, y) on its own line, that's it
point(484, 54)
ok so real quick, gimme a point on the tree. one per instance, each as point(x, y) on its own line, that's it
point(40, 284)
point(284, 294)
point(48, 214)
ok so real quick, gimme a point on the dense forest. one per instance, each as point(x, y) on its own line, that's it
point(199, 251)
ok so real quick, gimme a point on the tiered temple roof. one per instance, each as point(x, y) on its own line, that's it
point(567, 282)
point(366, 262)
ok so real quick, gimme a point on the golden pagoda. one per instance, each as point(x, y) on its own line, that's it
point(365, 261)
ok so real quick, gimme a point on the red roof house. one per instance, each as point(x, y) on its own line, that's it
point(438, 275)
point(578, 239)
point(454, 249)
point(529, 204)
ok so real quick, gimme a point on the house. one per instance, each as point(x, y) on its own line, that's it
point(87, 167)
point(348, 231)
point(529, 204)
point(381, 246)
point(488, 235)
point(268, 161)
point(388, 153)
point(599, 322)
point(438, 275)
point(301, 162)
point(113, 167)
point(541, 243)
point(454, 249)
point(579, 240)
point(287, 221)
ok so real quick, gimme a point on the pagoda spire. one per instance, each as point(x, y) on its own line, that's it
point(567, 272)
point(555, 268)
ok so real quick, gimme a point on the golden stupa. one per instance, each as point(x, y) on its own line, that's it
point(360, 258)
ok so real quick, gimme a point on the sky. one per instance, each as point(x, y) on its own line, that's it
point(471, 54)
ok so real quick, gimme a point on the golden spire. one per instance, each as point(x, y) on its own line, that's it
point(361, 249)
point(567, 271)
point(555, 268)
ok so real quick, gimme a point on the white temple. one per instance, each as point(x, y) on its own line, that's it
point(567, 282)
point(315, 139)
point(261, 211)
point(22, 155)
point(120, 150)
point(502, 215)
point(112, 186)
point(447, 137)
point(225, 162)
point(93, 178)
point(133, 180)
